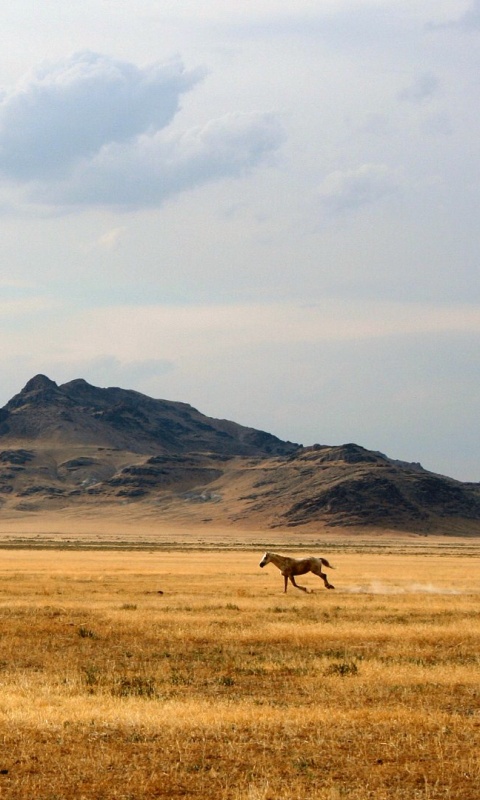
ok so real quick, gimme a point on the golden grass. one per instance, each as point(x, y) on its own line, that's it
point(224, 687)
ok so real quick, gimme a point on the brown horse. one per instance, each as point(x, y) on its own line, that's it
point(289, 567)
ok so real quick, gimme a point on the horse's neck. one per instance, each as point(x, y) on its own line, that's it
point(279, 561)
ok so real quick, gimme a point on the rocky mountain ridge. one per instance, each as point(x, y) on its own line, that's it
point(77, 412)
point(80, 445)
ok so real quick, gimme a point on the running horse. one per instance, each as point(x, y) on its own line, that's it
point(289, 567)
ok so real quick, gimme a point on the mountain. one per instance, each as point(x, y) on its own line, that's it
point(77, 445)
point(77, 412)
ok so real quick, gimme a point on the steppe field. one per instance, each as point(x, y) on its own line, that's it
point(133, 669)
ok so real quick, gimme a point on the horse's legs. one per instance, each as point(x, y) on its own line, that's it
point(322, 575)
point(296, 584)
point(292, 579)
point(325, 580)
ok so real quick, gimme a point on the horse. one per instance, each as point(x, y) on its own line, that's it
point(289, 567)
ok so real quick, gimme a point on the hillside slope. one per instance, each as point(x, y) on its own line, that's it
point(78, 446)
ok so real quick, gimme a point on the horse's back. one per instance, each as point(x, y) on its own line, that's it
point(302, 565)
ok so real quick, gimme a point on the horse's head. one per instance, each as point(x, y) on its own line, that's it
point(265, 560)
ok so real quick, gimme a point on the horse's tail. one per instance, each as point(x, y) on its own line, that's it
point(327, 563)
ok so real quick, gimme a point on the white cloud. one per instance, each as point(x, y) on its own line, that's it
point(438, 124)
point(67, 111)
point(471, 18)
point(468, 21)
point(94, 130)
point(165, 335)
point(9, 283)
point(178, 332)
point(155, 167)
point(422, 89)
point(350, 189)
point(27, 306)
point(110, 240)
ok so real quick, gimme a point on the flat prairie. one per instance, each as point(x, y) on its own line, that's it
point(146, 672)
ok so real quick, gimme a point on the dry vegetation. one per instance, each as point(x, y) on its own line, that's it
point(224, 687)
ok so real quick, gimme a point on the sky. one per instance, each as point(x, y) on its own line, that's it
point(268, 210)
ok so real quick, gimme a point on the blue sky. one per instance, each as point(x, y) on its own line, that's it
point(267, 210)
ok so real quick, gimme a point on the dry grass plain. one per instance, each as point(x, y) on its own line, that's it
point(224, 687)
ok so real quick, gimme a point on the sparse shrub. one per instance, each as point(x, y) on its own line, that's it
point(342, 668)
point(86, 633)
point(180, 678)
point(135, 686)
point(226, 680)
point(303, 764)
point(136, 737)
point(91, 675)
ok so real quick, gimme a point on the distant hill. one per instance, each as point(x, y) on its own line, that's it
point(76, 445)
